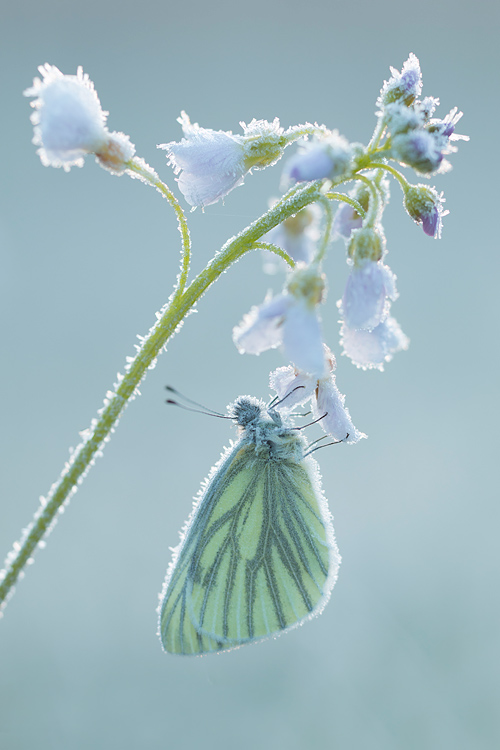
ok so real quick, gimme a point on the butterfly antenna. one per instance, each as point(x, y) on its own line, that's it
point(197, 411)
point(315, 421)
point(335, 442)
point(173, 390)
point(274, 404)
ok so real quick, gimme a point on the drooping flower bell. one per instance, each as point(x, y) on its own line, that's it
point(69, 123)
point(291, 319)
point(210, 163)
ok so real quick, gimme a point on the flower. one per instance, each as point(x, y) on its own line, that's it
point(346, 219)
point(421, 150)
point(291, 319)
point(294, 387)
point(420, 141)
point(366, 300)
point(297, 235)
point(70, 123)
point(213, 162)
point(404, 86)
point(326, 156)
point(371, 349)
point(425, 207)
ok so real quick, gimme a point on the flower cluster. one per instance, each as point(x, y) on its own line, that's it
point(416, 139)
point(208, 164)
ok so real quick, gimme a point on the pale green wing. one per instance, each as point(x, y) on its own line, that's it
point(177, 631)
point(267, 564)
point(258, 558)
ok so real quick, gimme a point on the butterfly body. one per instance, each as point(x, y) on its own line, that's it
point(258, 554)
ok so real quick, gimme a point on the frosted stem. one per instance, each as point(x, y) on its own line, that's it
point(173, 313)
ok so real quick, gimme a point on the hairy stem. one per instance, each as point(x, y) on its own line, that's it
point(181, 302)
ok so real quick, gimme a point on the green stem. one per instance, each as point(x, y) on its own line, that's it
point(173, 313)
point(138, 168)
point(377, 135)
point(328, 229)
point(347, 199)
point(399, 177)
point(373, 208)
point(276, 250)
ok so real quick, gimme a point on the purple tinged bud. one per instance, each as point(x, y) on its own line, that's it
point(425, 207)
point(419, 149)
point(402, 87)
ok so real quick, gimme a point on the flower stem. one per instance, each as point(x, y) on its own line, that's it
point(138, 168)
point(172, 314)
point(347, 199)
point(399, 177)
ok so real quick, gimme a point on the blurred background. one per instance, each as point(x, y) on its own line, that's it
point(406, 653)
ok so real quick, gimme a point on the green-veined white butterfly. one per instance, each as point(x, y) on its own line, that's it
point(257, 555)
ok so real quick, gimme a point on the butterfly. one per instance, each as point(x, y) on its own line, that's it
point(257, 555)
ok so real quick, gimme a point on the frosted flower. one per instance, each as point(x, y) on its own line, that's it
point(425, 207)
point(291, 319)
point(213, 162)
point(368, 292)
point(401, 119)
point(70, 123)
point(371, 349)
point(424, 147)
point(446, 127)
point(346, 219)
point(327, 156)
point(296, 388)
point(405, 86)
point(297, 235)
point(418, 149)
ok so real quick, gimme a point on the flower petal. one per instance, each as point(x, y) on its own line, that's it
point(302, 339)
point(262, 327)
point(337, 421)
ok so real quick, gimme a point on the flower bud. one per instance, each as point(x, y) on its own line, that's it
point(367, 243)
point(403, 87)
point(425, 207)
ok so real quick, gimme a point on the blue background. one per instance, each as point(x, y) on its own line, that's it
point(406, 653)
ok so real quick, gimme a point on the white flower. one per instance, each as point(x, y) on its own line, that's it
point(213, 162)
point(70, 123)
point(346, 219)
point(291, 319)
point(366, 301)
point(294, 388)
point(326, 156)
point(371, 349)
point(297, 235)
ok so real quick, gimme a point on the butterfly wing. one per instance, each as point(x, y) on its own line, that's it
point(258, 558)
